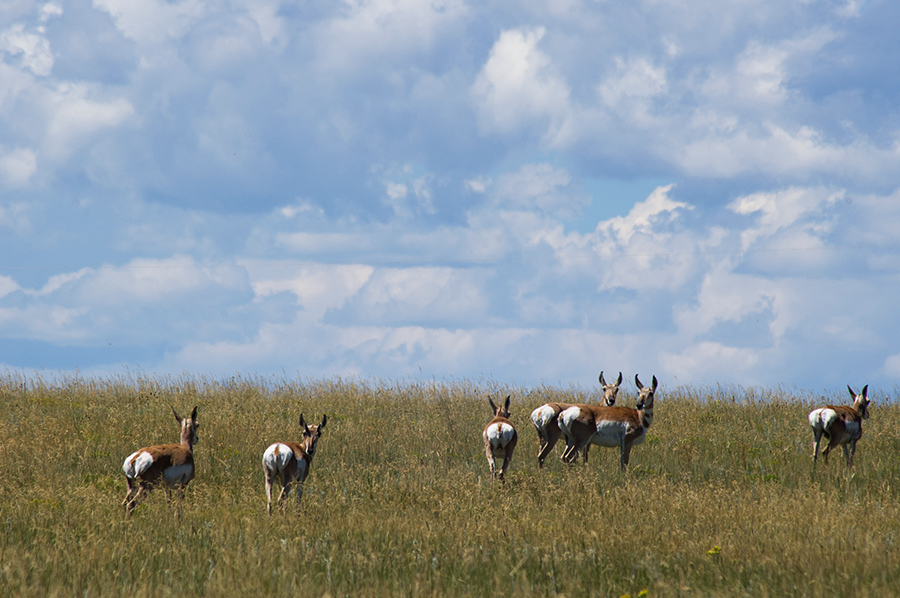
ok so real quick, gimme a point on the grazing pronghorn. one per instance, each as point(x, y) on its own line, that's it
point(500, 438)
point(291, 461)
point(174, 463)
point(623, 427)
point(840, 425)
point(545, 417)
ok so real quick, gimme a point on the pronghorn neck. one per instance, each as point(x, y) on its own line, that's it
point(860, 402)
point(188, 434)
point(645, 401)
point(646, 414)
point(189, 427)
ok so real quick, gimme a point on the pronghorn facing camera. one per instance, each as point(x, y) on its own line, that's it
point(500, 438)
point(840, 425)
point(545, 417)
point(173, 463)
point(623, 427)
point(291, 461)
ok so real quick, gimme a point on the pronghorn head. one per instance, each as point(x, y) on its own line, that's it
point(610, 390)
point(500, 411)
point(861, 401)
point(189, 427)
point(311, 434)
point(645, 396)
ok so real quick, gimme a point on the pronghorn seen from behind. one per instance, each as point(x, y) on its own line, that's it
point(621, 427)
point(500, 438)
point(840, 425)
point(290, 461)
point(173, 464)
point(545, 417)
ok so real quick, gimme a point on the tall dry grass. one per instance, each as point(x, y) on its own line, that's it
point(720, 500)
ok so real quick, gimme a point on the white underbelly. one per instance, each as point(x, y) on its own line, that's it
point(178, 474)
point(852, 431)
point(609, 434)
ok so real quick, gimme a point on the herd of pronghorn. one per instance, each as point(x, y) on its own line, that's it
point(603, 424)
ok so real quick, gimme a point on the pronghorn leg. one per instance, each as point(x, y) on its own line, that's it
point(542, 454)
point(626, 455)
point(573, 453)
point(547, 445)
point(142, 488)
point(489, 453)
point(286, 480)
point(269, 479)
point(178, 500)
point(299, 491)
point(506, 459)
point(570, 446)
point(817, 438)
point(849, 450)
point(570, 455)
point(580, 445)
point(128, 497)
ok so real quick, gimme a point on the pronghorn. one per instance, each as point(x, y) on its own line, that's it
point(291, 461)
point(840, 425)
point(500, 438)
point(545, 416)
point(174, 463)
point(623, 427)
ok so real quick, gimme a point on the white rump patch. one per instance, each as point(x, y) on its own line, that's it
point(500, 434)
point(566, 418)
point(137, 463)
point(542, 416)
point(277, 457)
point(822, 418)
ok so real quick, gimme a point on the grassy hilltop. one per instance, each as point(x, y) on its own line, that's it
point(720, 500)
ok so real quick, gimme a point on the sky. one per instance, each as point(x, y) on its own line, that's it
point(528, 192)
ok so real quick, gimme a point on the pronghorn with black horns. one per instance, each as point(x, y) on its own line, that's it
point(545, 417)
point(500, 438)
point(174, 463)
point(291, 461)
point(840, 425)
point(623, 427)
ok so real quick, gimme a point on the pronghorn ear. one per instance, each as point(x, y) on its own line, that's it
point(852, 394)
point(177, 417)
point(619, 379)
point(324, 421)
point(602, 381)
point(654, 384)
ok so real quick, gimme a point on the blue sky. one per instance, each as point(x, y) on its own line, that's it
point(530, 192)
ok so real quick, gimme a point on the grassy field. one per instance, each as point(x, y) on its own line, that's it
point(721, 499)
